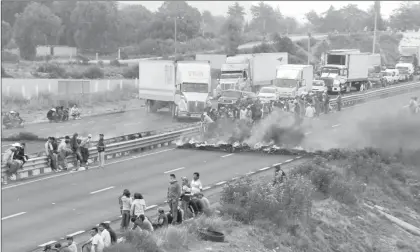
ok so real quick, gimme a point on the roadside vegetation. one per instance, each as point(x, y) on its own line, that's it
point(323, 205)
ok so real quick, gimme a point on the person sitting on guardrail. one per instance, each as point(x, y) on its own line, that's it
point(75, 112)
point(101, 150)
point(173, 195)
point(20, 154)
point(12, 164)
point(84, 150)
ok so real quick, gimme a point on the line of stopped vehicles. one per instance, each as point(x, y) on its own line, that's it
point(185, 87)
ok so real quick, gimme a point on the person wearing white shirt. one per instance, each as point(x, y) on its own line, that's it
point(96, 241)
point(310, 111)
point(106, 236)
point(138, 207)
point(196, 185)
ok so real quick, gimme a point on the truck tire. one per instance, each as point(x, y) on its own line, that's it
point(211, 235)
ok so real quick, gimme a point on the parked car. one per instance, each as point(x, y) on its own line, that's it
point(391, 76)
point(229, 97)
point(319, 86)
point(268, 94)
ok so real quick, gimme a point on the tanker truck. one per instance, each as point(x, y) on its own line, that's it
point(181, 86)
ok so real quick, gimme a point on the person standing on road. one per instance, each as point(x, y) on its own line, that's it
point(174, 193)
point(310, 111)
point(84, 150)
point(339, 101)
point(139, 206)
point(326, 99)
point(75, 147)
point(126, 203)
point(106, 237)
point(49, 151)
point(101, 150)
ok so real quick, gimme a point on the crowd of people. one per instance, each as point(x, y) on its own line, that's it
point(61, 114)
point(251, 111)
point(57, 152)
point(11, 119)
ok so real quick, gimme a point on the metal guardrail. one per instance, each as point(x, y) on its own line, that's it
point(37, 166)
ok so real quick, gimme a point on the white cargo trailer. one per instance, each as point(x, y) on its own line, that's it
point(181, 86)
point(292, 80)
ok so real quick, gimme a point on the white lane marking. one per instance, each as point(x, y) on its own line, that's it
point(336, 125)
point(43, 129)
point(206, 188)
point(94, 167)
point(177, 169)
point(6, 145)
point(75, 233)
point(279, 163)
point(47, 243)
point(91, 122)
point(108, 222)
point(308, 133)
point(102, 190)
point(13, 215)
point(265, 168)
point(249, 173)
point(150, 207)
point(406, 106)
point(227, 155)
point(288, 160)
point(221, 183)
point(235, 178)
point(129, 124)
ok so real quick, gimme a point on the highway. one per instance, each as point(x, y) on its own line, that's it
point(47, 208)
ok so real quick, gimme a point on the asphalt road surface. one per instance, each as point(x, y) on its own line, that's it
point(46, 208)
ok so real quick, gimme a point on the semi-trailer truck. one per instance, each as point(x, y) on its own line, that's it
point(181, 86)
point(250, 72)
point(292, 80)
point(345, 70)
point(410, 53)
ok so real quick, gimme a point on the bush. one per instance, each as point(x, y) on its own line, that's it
point(93, 72)
point(9, 57)
point(131, 72)
point(55, 71)
point(75, 74)
point(136, 241)
point(115, 62)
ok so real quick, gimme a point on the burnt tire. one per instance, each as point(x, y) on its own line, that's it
point(210, 235)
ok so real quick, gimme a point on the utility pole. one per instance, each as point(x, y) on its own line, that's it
point(374, 31)
point(309, 47)
point(175, 35)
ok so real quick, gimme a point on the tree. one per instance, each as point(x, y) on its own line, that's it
point(236, 11)
point(352, 18)
point(9, 9)
point(37, 25)
point(6, 34)
point(406, 16)
point(134, 24)
point(232, 35)
point(96, 25)
point(264, 19)
point(63, 9)
point(188, 21)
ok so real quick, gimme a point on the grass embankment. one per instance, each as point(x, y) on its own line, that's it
point(320, 207)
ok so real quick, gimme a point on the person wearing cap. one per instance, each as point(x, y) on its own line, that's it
point(10, 161)
point(84, 149)
point(101, 150)
point(52, 115)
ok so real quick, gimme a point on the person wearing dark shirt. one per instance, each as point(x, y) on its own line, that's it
point(20, 153)
point(198, 205)
point(101, 150)
point(162, 220)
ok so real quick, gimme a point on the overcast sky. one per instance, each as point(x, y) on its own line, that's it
point(295, 9)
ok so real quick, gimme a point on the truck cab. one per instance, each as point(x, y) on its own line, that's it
point(406, 70)
point(293, 80)
point(235, 73)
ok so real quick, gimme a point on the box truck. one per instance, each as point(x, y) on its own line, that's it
point(250, 72)
point(410, 53)
point(292, 80)
point(181, 86)
point(345, 70)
